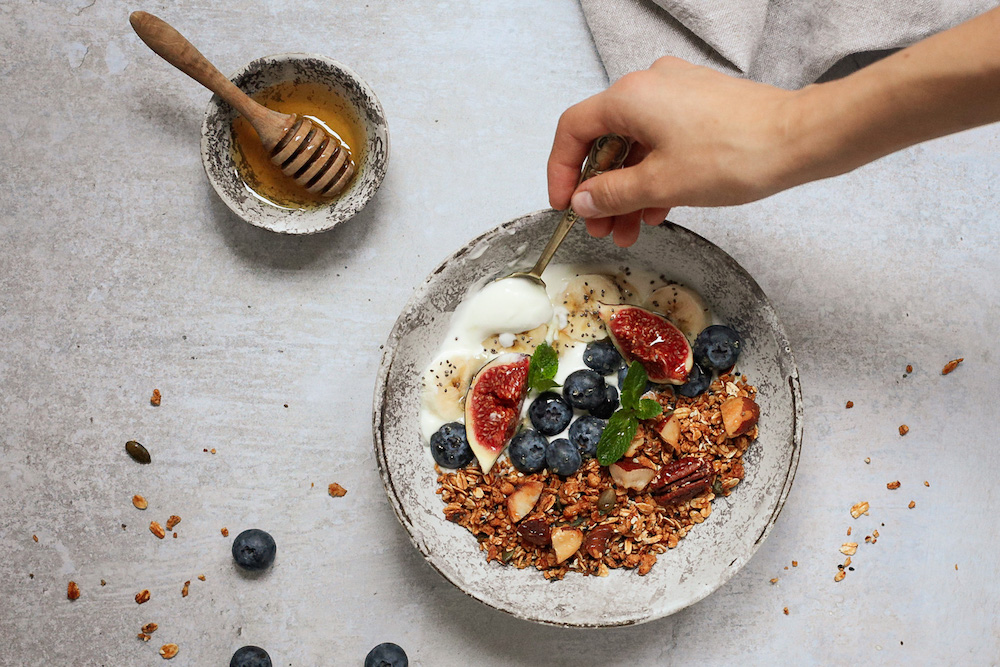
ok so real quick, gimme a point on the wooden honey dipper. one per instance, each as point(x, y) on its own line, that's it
point(300, 148)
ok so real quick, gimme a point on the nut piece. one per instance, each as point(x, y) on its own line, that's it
point(184, 591)
point(225, 532)
point(201, 577)
point(849, 548)
point(739, 415)
point(157, 529)
point(850, 404)
point(909, 368)
point(912, 505)
point(904, 429)
point(139, 502)
point(681, 480)
point(34, 537)
point(336, 490)
point(149, 628)
point(839, 576)
point(142, 596)
point(72, 591)
point(565, 542)
point(154, 400)
point(892, 486)
point(786, 611)
point(168, 651)
point(859, 508)
point(951, 365)
point(143, 636)
point(522, 501)
point(173, 521)
point(671, 431)
point(628, 474)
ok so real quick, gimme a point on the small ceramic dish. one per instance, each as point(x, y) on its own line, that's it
point(218, 156)
point(710, 554)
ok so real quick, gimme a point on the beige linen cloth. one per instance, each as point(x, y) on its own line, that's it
point(787, 43)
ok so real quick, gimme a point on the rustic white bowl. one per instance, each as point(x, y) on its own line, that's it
point(712, 552)
point(217, 143)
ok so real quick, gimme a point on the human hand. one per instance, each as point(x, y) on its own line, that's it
point(701, 138)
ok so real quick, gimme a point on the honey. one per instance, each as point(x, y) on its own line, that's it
point(261, 177)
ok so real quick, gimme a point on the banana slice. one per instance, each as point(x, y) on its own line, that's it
point(630, 294)
point(446, 383)
point(524, 342)
point(682, 306)
point(581, 298)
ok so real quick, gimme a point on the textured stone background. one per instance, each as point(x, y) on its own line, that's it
point(121, 271)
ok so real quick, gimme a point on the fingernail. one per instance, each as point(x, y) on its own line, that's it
point(583, 204)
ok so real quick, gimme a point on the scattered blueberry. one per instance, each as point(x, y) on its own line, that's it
point(250, 656)
point(450, 446)
point(697, 382)
point(585, 433)
point(603, 357)
point(584, 389)
point(610, 404)
point(550, 413)
point(563, 457)
point(717, 347)
point(254, 549)
point(386, 655)
point(527, 451)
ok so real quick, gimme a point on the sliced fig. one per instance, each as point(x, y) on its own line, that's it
point(493, 406)
point(644, 336)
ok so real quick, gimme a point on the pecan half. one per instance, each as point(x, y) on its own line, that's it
point(681, 480)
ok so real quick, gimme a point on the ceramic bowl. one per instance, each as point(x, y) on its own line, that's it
point(712, 552)
point(217, 143)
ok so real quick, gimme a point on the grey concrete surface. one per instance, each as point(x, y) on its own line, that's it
point(121, 271)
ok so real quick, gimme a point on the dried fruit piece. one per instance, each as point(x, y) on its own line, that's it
point(597, 540)
point(34, 537)
point(157, 529)
point(184, 591)
point(72, 591)
point(142, 596)
point(951, 365)
point(522, 501)
point(138, 453)
point(904, 429)
point(629, 474)
point(892, 486)
point(139, 502)
point(173, 521)
point(167, 651)
point(651, 340)
point(336, 490)
point(739, 415)
point(493, 406)
point(535, 531)
point(565, 542)
point(154, 400)
point(909, 368)
point(225, 532)
point(850, 404)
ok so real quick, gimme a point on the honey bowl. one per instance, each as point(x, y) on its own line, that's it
point(326, 92)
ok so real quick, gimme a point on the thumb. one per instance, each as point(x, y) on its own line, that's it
point(613, 193)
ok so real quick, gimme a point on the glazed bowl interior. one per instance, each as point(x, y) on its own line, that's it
point(712, 552)
point(372, 158)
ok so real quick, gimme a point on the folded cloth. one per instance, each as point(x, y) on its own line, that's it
point(787, 43)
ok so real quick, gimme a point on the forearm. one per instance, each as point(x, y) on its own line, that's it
point(944, 84)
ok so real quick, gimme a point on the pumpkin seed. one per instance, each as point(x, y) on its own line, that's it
point(138, 453)
point(717, 487)
point(606, 501)
point(507, 555)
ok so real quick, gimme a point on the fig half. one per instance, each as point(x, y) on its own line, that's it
point(493, 406)
point(644, 336)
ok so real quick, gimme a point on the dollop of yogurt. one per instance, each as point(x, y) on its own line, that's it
point(506, 307)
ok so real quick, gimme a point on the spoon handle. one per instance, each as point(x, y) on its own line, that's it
point(607, 153)
point(173, 47)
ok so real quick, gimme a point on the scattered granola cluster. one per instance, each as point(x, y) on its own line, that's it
point(587, 513)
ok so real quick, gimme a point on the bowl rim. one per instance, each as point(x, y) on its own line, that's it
point(379, 420)
point(214, 106)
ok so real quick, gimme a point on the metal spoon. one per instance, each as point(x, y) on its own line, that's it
point(607, 153)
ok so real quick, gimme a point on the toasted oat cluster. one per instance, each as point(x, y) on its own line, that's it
point(589, 523)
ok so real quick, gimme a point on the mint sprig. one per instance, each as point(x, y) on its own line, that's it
point(624, 423)
point(543, 367)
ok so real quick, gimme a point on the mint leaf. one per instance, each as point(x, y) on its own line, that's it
point(543, 367)
point(617, 436)
point(634, 385)
point(648, 408)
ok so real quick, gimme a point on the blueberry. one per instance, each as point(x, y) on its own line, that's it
point(610, 404)
point(527, 451)
point(550, 414)
point(584, 433)
point(717, 347)
point(563, 457)
point(450, 446)
point(250, 656)
point(697, 382)
point(603, 357)
point(386, 655)
point(584, 389)
point(254, 549)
